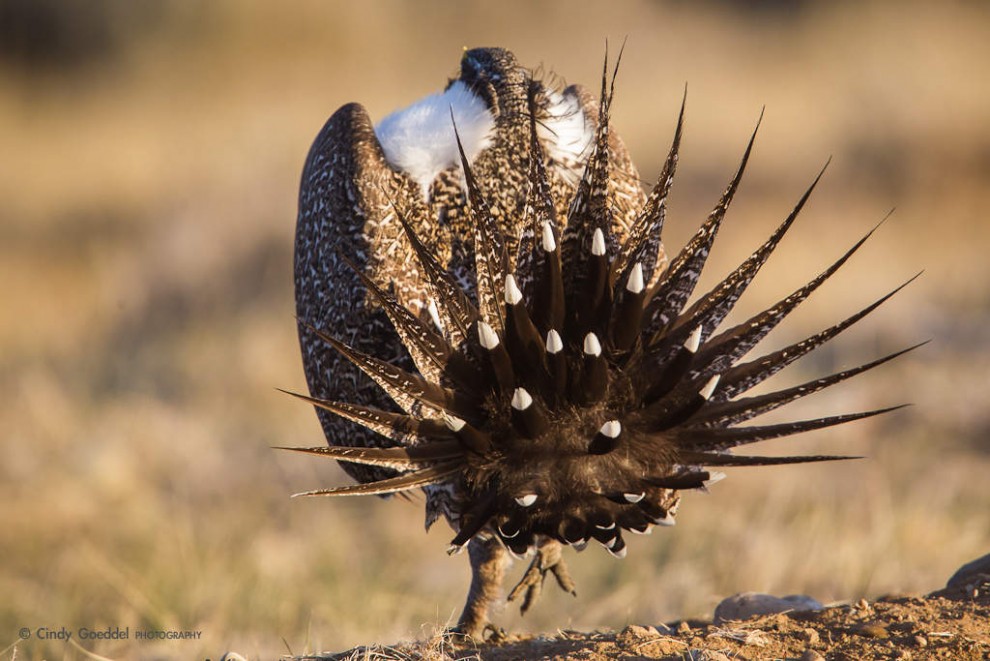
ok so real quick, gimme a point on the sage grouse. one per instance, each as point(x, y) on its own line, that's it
point(486, 313)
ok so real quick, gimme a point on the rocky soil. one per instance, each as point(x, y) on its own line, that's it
point(953, 623)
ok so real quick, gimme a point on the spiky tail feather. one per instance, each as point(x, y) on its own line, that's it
point(579, 395)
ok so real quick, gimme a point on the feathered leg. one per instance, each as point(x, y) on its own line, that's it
point(488, 562)
point(548, 559)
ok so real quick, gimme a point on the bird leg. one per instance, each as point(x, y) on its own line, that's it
point(548, 559)
point(488, 562)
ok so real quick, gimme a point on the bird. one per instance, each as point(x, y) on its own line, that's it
point(487, 313)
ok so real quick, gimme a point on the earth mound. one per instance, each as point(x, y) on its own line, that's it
point(953, 623)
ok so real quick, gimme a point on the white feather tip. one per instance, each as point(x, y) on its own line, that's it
point(512, 293)
point(487, 336)
point(592, 346)
point(598, 243)
point(521, 399)
point(635, 285)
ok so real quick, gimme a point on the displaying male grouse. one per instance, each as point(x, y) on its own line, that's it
point(486, 313)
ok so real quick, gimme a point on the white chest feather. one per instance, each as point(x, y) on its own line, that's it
point(566, 134)
point(419, 139)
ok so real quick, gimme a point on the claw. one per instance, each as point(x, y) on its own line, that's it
point(563, 577)
point(494, 635)
point(459, 637)
point(548, 559)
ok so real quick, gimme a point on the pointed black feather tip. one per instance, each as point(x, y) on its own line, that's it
point(491, 257)
point(388, 457)
point(415, 480)
point(455, 310)
point(644, 243)
point(597, 394)
point(678, 281)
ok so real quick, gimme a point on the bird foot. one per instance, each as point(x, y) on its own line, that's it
point(548, 559)
point(465, 636)
point(494, 634)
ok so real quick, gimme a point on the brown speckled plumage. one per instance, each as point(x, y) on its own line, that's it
point(346, 207)
point(567, 393)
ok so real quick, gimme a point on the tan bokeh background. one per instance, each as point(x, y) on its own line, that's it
point(147, 204)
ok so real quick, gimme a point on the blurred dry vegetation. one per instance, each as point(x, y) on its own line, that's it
point(151, 154)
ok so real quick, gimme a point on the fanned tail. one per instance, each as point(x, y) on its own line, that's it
point(589, 383)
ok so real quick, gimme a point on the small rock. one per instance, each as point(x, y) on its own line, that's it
point(712, 655)
point(921, 641)
point(872, 630)
point(810, 636)
point(971, 573)
point(812, 655)
point(663, 630)
point(707, 655)
point(863, 604)
point(635, 633)
point(747, 604)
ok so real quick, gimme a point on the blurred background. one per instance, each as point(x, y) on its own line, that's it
point(151, 155)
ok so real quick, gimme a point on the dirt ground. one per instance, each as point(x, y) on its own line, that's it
point(948, 624)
